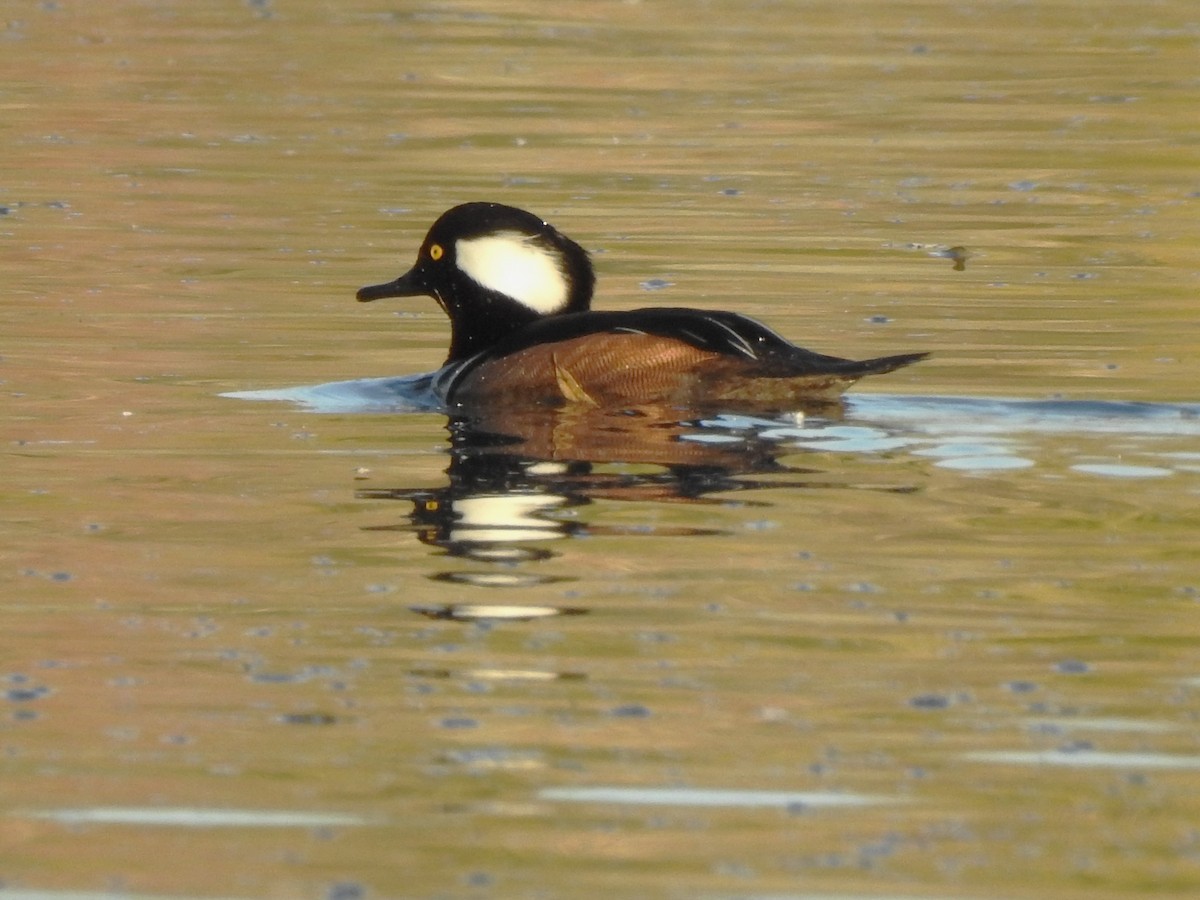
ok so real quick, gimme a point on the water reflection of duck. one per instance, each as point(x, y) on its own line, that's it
point(512, 478)
point(517, 477)
point(518, 294)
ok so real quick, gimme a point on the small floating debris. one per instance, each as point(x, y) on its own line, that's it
point(958, 255)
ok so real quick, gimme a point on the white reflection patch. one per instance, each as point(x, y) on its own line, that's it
point(504, 518)
point(1087, 759)
point(713, 797)
point(188, 817)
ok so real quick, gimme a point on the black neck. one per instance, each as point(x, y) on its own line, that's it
point(487, 319)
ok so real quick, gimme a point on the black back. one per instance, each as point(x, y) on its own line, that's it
point(727, 333)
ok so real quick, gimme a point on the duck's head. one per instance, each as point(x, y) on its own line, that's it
point(493, 269)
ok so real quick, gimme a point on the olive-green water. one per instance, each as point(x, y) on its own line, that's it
point(947, 645)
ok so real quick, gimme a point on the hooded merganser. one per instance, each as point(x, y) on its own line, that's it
point(522, 331)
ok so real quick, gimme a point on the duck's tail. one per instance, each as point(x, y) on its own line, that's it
point(880, 364)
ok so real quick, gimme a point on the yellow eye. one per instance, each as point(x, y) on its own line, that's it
point(435, 252)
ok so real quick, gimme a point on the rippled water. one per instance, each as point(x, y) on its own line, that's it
point(273, 626)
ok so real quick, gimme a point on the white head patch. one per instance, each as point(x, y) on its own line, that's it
point(515, 265)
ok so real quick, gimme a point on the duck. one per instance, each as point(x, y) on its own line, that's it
point(518, 294)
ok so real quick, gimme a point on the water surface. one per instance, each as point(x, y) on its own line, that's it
point(329, 644)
